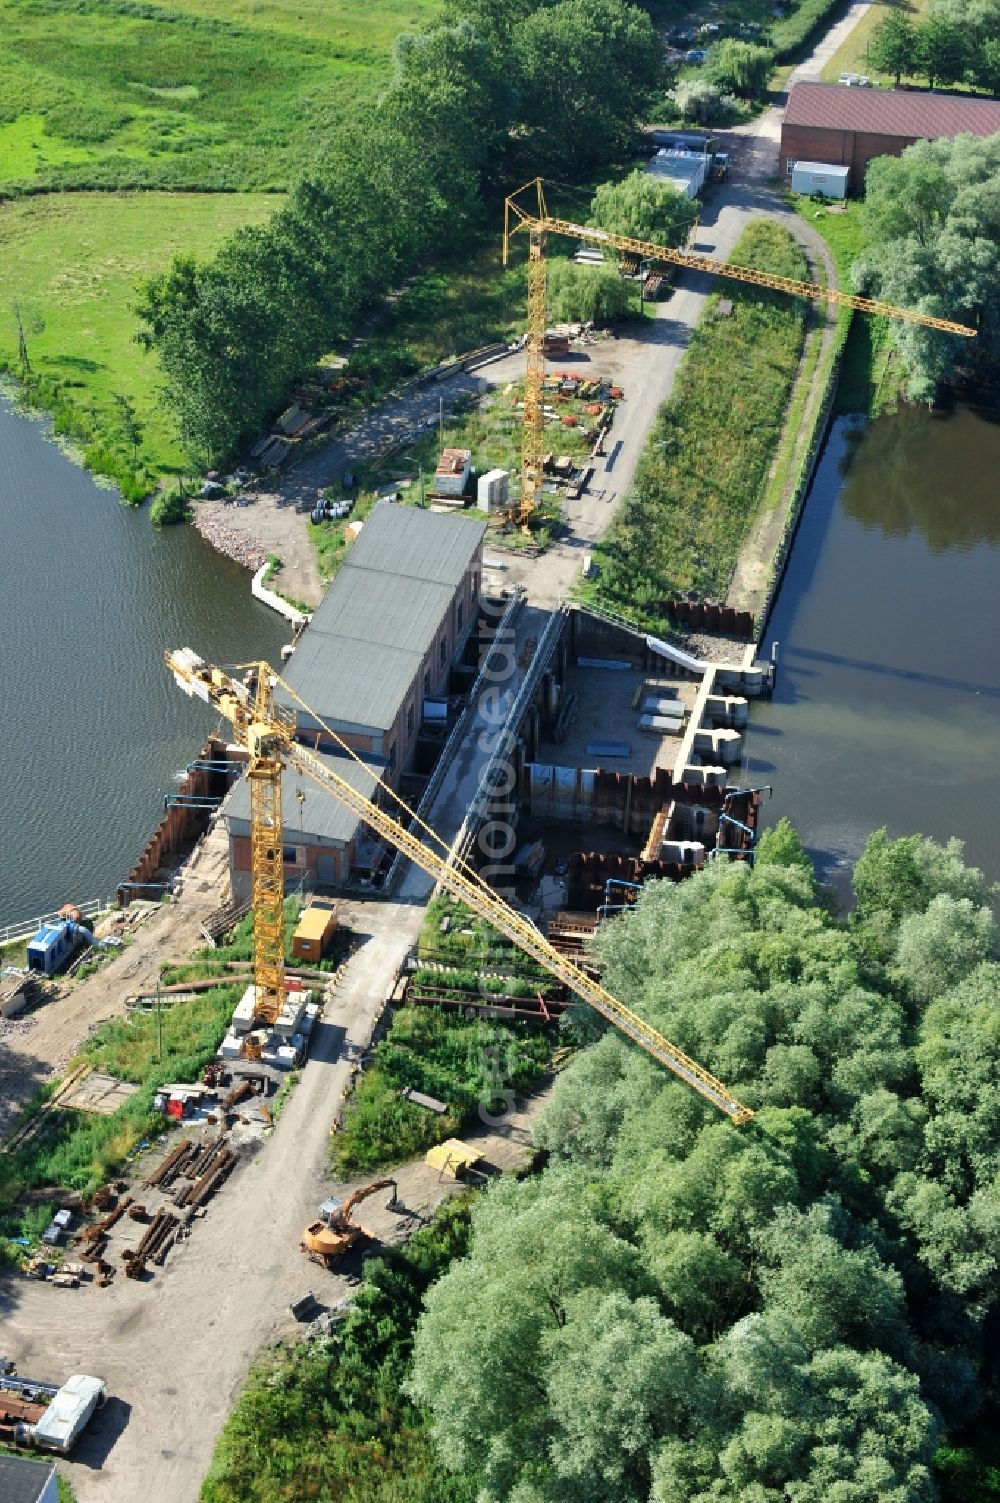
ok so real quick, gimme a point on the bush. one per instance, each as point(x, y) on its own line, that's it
point(791, 35)
point(696, 492)
point(698, 100)
point(457, 1060)
point(329, 1418)
point(169, 507)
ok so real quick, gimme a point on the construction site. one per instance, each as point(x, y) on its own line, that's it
point(447, 726)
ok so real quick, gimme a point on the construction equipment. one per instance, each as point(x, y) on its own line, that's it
point(334, 1234)
point(538, 223)
point(268, 734)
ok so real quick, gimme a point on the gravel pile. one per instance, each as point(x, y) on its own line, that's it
point(235, 544)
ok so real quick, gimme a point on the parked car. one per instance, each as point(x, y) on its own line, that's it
point(696, 55)
point(855, 80)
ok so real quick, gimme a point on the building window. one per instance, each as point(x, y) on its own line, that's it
point(392, 756)
point(294, 855)
point(475, 583)
point(409, 719)
point(427, 682)
point(443, 651)
point(459, 616)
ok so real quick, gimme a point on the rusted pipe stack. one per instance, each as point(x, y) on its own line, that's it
point(163, 1224)
point(165, 1173)
point(214, 1168)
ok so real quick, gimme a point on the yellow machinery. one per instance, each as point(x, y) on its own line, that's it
point(332, 1236)
point(268, 734)
point(538, 223)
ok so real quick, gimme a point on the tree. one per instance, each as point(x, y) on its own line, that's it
point(979, 19)
point(698, 100)
point(984, 65)
point(939, 947)
point(129, 426)
point(676, 1310)
point(740, 68)
point(942, 51)
point(781, 846)
point(892, 47)
point(585, 294)
point(640, 206)
point(585, 71)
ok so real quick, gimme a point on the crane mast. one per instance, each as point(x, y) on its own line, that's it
point(538, 223)
point(273, 738)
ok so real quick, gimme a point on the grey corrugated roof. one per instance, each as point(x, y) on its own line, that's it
point(22, 1480)
point(320, 815)
point(364, 645)
point(891, 112)
point(411, 543)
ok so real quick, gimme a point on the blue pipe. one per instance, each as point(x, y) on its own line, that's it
point(730, 819)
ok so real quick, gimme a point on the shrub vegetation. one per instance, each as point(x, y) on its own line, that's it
point(802, 1307)
point(461, 1061)
point(329, 1418)
point(700, 479)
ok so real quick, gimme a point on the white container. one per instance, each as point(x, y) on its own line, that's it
point(820, 177)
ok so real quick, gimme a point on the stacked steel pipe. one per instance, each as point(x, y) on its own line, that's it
point(163, 1226)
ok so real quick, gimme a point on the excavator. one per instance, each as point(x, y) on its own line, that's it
point(333, 1235)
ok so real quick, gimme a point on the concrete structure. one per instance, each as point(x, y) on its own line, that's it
point(834, 124)
point(380, 646)
point(818, 177)
point(452, 473)
point(684, 170)
point(493, 490)
point(24, 1481)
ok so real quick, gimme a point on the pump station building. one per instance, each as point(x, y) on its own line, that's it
point(374, 663)
point(833, 125)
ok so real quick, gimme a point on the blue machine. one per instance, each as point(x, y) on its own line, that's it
point(54, 944)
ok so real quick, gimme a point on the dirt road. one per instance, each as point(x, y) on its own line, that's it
point(645, 366)
point(36, 1048)
point(175, 1350)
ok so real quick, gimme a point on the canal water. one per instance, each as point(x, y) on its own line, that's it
point(94, 728)
point(887, 703)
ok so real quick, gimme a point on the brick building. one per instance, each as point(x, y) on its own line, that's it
point(837, 125)
point(378, 650)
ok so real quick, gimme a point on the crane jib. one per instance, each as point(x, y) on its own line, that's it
point(230, 697)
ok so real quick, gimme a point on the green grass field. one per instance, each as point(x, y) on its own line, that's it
point(72, 262)
point(194, 93)
point(852, 56)
point(156, 95)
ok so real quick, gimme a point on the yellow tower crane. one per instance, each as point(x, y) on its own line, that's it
point(268, 733)
point(537, 222)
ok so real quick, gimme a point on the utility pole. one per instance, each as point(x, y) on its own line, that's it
point(159, 1024)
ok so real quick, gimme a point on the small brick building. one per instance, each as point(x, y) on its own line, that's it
point(380, 645)
point(848, 127)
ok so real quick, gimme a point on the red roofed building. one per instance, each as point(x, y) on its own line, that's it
point(847, 127)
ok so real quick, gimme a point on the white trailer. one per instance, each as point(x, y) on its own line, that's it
point(819, 177)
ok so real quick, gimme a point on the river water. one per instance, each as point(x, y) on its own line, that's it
point(887, 703)
point(94, 728)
